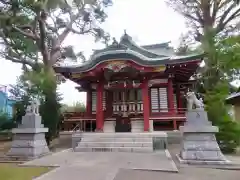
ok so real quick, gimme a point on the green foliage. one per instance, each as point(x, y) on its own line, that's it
point(50, 112)
point(3, 116)
point(229, 130)
point(30, 27)
point(50, 109)
point(228, 57)
point(203, 16)
point(42, 85)
point(23, 96)
point(77, 107)
point(5, 122)
point(222, 66)
point(32, 33)
point(211, 25)
point(8, 125)
point(222, 61)
point(215, 104)
point(229, 135)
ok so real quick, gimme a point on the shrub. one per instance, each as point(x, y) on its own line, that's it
point(3, 117)
point(7, 125)
point(228, 136)
point(5, 122)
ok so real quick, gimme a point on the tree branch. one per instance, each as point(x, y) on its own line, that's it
point(224, 2)
point(16, 60)
point(223, 17)
point(200, 18)
point(215, 10)
point(42, 44)
point(223, 22)
point(27, 34)
point(53, 29)
point(56, 47)
point(67, 30)
point(72, 19)
point(190, 16)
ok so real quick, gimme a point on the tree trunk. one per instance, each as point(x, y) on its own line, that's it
point(208, 45)
point(51, 107)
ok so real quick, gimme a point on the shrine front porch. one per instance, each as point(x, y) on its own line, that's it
point(115, 123)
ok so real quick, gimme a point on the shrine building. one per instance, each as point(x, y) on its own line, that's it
point(131, 88)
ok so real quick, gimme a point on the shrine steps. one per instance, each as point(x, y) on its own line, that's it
point(174, 137)
point(119, 142)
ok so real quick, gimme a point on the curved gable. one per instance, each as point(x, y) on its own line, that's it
point(119, 55)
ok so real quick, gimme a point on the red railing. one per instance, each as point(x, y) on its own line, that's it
point(164, 113)
point(69, 116)
point(79, 120)
point(169, 111)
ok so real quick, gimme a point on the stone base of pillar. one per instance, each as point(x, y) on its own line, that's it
point(151, 129)
point(109, 126)
point(137, 126)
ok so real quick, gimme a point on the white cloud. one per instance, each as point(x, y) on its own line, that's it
point(148, 22)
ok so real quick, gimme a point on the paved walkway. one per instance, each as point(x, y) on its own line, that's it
point(186, 172)
point(189, 173)
point(119, 166)
point(100, 165)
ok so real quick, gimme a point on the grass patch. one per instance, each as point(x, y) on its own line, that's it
point(10, 171)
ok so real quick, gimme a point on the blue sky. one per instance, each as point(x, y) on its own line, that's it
point(148, 22)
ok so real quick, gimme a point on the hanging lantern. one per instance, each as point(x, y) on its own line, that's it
point(125, 84)
point(134, 85)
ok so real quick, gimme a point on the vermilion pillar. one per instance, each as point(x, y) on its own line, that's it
point(171, 101)
point(179, 98)
point(146, 105)
point(170, 96)
point(89, 103)
point(109, 104)
point(99, 110)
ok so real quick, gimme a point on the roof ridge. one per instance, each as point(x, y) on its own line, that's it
point(128, 41)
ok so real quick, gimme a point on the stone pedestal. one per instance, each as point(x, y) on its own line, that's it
point(137, 126)
point(109, 126)
point(29, 138)
point(151, 128)
point(199, 145)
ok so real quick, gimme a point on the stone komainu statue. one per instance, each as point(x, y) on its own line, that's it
point(192, 101)
point(33, 107)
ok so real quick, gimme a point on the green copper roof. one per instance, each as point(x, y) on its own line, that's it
point(127, 49)
point(164, 45)
point(125, 55)
point(127, 43)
